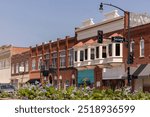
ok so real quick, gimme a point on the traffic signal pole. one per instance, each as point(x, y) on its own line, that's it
point(126, 26)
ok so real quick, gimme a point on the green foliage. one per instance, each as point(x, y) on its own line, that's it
point(47, 92)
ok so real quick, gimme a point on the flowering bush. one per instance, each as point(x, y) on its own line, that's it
point(47, 92)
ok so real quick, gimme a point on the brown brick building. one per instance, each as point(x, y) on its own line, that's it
point(57, 58)
point(6, 52)
point(20, 68)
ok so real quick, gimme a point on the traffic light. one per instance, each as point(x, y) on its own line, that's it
point(100, 36)
point(130, 59)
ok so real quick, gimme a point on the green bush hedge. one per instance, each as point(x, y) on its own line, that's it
point(47, 92)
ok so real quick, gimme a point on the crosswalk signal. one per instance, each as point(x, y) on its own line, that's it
point(100, 36)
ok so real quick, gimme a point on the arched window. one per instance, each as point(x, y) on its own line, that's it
point(142, 47)
point(132, 44)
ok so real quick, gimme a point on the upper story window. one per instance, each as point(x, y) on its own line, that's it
point(33, 64)
point(92, 53)
point(142, 47)
point(62, 58)
point(81, 55)
point(110, 49)
point(12, 69)
point(75, 56)
point(39, 62)
point(104, 52)
point(47, 56)
point(132, 44)
point(86, 54)
point(97, 52)
point(26, 66)
point(70, 56)
point(7, 63)
point(54, 59)
point(17, 68)
point(117, 49)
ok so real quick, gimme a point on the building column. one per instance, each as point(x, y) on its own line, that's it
point(89, 54)
point(121, 49)
point(78, 55)
point(58, 64)
point(67, 51)
point(113, 49)
point(100, 52)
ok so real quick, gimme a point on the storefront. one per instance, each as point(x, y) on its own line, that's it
point(113, 77)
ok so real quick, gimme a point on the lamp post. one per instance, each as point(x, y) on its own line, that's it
point(126, 13)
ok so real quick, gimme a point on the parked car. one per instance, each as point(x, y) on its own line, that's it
point(7, 88)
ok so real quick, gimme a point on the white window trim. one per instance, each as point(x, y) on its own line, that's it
point(131, 43)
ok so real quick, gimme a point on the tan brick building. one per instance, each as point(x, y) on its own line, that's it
point(20, 68)
point(6, 52)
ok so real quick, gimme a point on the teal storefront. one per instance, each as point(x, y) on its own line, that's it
point(85, 76)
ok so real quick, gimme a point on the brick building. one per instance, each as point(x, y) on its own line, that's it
point(20, 68)
point(100, 64)
point(110, 58)
point(57, 58)
point(6, 52)
point(80, 59)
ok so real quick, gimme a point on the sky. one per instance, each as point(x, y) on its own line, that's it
point(26, 23)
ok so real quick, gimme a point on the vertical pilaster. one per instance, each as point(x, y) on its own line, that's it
point(89, 54)
point(37, 57)
point(50, 53)
point(58, 64)
point(67, 61)
point(30, 60)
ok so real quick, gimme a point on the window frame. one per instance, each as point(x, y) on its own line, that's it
point(104, 52)
point(117, 52)
point(142, 49)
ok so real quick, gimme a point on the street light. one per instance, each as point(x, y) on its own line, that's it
point(126, 13)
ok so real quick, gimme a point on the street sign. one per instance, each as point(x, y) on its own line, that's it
point(118, 39)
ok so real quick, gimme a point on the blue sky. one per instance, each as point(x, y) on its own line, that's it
point(31, 22)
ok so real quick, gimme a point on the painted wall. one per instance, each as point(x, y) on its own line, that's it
point(85, 75)
point(5, 75)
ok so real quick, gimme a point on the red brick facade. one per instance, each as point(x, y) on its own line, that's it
point(53, 64)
